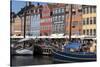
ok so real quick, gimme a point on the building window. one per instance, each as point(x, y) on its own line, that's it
point(94, 20)
point(62, 17)
point(90, 31)
point(73, 11)
point(34, 11)
point(27, 11)
point(56, 11)
point(90, 20)
point(53, 12)
point(85, 10)
point(59, 10)
point(31, 11)
point(55, 18)
point(87, 20)
point(62, 10)
point(94, 9)
point(84, 32)
point(90, 9)
point(55, 27)
point(84, 21)
point(38, 10)
point(87, 32)
point(94, 32)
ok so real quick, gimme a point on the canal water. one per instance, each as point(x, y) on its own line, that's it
point(30, 60)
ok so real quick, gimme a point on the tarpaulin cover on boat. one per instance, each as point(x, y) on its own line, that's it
point(73, 45)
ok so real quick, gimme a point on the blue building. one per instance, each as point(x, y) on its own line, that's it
point(32, 20)
point(35, 25)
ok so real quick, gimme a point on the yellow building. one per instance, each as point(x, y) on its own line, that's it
point(16, 26)
point(89, 20)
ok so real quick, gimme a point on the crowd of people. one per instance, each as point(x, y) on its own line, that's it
point(59, 43)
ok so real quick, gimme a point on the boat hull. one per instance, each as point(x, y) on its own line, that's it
point(59, 56)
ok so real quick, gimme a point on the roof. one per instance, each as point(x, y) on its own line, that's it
point(25, 8)
point(55, 5)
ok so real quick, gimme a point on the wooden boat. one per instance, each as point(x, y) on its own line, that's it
point(74, 56)
point(17, 47)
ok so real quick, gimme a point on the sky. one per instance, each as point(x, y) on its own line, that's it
point(17, 5)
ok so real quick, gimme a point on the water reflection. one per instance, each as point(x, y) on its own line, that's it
point(30, 60)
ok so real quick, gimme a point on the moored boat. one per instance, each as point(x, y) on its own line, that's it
point(19, 48)
point(73, 57)
point(74, 52)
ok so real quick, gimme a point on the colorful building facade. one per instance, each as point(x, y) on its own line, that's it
point(58, 22)
point(12, 19)
point(46, 21)
point(17, 26)
point(89, 20)
point(76, 23)
point(32, 26)
point(35, 23)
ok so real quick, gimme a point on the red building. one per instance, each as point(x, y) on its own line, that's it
point(46, 21)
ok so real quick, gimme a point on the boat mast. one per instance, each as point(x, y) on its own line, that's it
point(70, 27)
point(25, 21)
point(25, 24)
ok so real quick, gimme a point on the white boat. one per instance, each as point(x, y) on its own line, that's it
point(17, 48)
point(24, 52)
